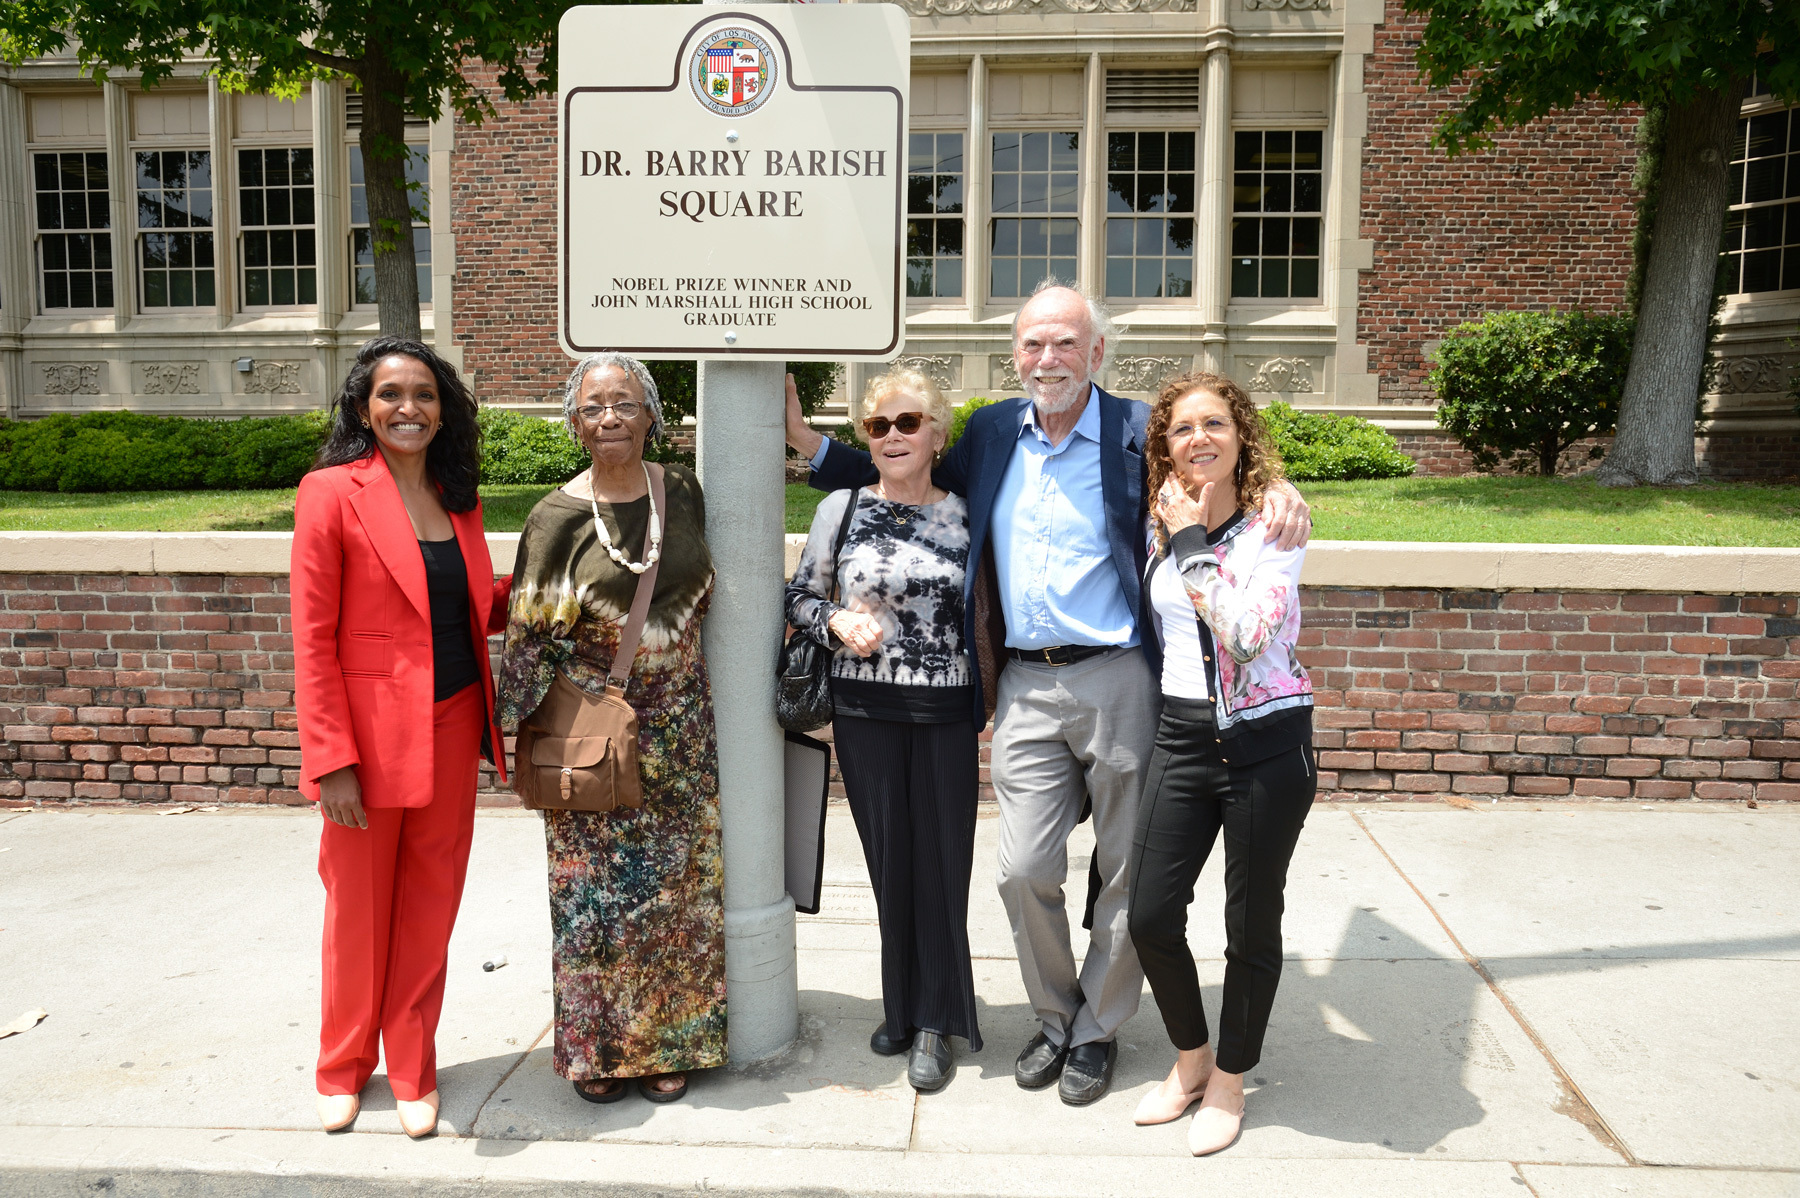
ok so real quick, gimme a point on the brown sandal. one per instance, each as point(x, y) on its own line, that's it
point(647, 1087)
point(605, 1096)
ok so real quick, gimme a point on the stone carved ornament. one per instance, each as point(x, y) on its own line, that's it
point(1282, 375)
point(1145, 374)
point(1751, 375)
point(170, 378)
point(1001, 368)
point(939, 368)
point(273, 378)
point(71, 378)
point(988, 8)
point(1295, 5)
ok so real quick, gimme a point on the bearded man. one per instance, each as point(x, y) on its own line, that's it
point(1055, 617)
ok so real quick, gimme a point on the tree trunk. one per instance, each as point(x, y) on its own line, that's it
point(1549, 450)
point(1656, 413)
point(383, 141)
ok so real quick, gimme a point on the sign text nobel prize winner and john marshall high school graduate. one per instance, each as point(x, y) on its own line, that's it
point(733, 181)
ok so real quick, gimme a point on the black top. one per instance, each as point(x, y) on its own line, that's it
point(452, 646)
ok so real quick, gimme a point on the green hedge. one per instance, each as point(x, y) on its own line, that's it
point(1315, 446)
point(516, 448)
point(129, 451)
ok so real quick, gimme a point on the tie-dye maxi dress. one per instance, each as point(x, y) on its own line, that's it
point(636, 897)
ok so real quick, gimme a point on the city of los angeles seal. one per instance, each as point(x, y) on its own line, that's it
point(732, 71)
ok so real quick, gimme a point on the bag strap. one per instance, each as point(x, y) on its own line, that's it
point(837, 546)
point(640, 602)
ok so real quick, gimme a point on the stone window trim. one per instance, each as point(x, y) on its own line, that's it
point(174, 193)
point(1264, 303)
point(72, 261)
point(277, 227)
point(1760, 252)
point(361, 260)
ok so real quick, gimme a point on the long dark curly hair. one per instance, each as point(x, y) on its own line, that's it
point(454, 456)
point(1259, 462)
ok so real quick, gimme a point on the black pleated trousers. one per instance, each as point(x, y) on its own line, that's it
point(1191, 795)
point(912, 790)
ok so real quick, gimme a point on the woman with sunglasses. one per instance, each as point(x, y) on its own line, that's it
point(900, 683)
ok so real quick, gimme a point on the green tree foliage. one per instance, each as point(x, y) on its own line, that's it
point(1317, 446)
point(128, 451)
point(1518, 388)
point(408, 59)
point(1685, 61)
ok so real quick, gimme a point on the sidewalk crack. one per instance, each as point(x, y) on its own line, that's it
point(1573, 1102)
point(475, 1119)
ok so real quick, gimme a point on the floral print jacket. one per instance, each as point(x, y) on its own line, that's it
point(1246, 595)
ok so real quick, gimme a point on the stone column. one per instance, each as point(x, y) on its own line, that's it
point(331, 233)
point(18, 289)
point(1213, 232)
point(227, 260)
point(121, 175)
point(1090, 267)
point(740, 445)
point(975, 201)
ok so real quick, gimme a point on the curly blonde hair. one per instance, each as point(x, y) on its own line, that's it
point(901, 380)
point(1259, 462)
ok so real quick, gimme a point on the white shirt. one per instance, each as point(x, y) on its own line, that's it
point(1184, 659)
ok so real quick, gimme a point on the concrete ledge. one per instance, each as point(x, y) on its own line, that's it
point(1373, 564)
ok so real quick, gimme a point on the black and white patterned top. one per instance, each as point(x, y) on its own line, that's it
point(904, 566)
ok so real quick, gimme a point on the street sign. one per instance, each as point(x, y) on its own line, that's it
point(733, 181)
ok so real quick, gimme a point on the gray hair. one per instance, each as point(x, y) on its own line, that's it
point(1100, 321)
point(632, 367)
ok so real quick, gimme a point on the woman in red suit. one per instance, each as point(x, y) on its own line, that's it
point(393, 597)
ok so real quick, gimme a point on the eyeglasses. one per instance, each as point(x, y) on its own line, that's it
point(625, 409)
point(907, 422)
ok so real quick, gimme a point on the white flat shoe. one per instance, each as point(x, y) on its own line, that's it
point(419, 1119)
point(338, 1111)
point(1157, 1107)
point(1214, 1129)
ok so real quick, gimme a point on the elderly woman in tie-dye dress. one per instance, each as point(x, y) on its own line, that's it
point(636, 896)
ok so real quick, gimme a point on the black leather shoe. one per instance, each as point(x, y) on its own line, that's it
point(884, 1045)
point(929, 1067)
point(1040, 1064)
point(1089, 1072)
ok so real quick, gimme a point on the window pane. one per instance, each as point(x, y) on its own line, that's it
point(1243, 277)
point(252, 207)
point(1003, 277)
point(918, 278)
point(1304, 283)
point(1034, 151)
point(918, 239)
point(1179, 282)
point(1006, 193)
point(1121, 192)
point(1278, 151)
point(1274, 278)
point(1034, 238)
point(250, 168)
point(1275, 235)
point(1118, 236)
point(1181, 151)
point(84, 294)
point(1306, 236)
point(1307, 192)
point(256, 287)
point(1247, 151)
point(1246, 193)
point(1118, 276)
point(1006, 152)
point(1309, 145)
point(949, 193)
point(921, 152)
point(309, 287)
point(949, 237)
point(1065, 151)
point(1121, 151)
point(950, 154)
point(1149, 278)
point(282, 287)
point(949, 277)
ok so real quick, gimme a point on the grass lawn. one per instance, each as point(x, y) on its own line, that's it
point(1407, 509)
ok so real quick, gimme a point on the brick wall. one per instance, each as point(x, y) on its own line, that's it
point(1545, 694)
point(146, 688)
point(1542, 220)
point(1721, 457)
point(503, 213)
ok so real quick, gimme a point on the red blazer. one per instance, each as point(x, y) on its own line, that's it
point(362, 633)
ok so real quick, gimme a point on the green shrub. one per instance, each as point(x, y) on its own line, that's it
point(516, 448)
point(1518, 388)
point(1316, 446)
point(960, 420)
point(130, 451)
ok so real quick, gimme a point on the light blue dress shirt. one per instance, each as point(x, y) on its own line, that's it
point(1058, 585)
point(1057, 580)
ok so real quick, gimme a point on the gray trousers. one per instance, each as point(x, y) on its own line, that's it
point(1061, 734)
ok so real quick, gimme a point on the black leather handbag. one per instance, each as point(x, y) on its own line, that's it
point(803, 673)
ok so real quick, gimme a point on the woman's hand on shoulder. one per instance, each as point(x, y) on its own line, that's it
point(340, 798)
point(1287, 516)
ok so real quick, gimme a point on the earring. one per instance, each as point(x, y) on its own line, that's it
point(365, 422)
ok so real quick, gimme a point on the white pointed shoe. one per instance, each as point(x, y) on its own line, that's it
point(1214, 1129)
point(1158, 1107)
point(338, 1111)
point(419, 1119)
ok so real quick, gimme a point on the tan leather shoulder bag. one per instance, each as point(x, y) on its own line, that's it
point(578, 752)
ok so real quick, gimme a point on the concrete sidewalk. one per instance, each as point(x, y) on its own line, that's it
point(1569, 1001)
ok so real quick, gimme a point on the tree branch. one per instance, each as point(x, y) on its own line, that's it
point(336, 62)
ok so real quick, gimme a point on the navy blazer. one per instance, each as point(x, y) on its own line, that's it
point(974, 468)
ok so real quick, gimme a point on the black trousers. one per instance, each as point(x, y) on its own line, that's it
point(1190, 796)
point(912, 790)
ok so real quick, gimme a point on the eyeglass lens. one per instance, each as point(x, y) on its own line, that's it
point(624, 410)
point(906, 422)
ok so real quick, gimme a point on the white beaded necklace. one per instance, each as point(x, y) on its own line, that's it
point(655, 554)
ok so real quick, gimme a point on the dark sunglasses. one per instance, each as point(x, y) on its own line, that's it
point(907, 422)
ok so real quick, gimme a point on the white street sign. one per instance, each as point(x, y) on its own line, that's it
point(733, 182)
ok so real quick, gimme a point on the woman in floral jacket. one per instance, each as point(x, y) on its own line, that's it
point(1233, 749)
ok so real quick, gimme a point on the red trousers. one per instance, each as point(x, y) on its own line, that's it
point(391, 894)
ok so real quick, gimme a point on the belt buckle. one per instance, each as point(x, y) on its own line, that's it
point(1059, 655)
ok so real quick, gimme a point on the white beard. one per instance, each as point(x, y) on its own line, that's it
point(1060, 398)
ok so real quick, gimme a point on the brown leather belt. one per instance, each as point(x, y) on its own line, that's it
point(1059, 655)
